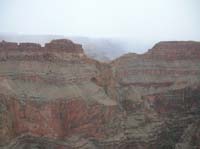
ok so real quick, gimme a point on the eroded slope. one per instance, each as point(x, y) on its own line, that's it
point(55, 97)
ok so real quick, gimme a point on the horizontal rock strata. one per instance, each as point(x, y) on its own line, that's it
point(55, 97)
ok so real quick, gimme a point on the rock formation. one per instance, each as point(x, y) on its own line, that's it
point(56, 97)
point(160, 93)
point(96, 48)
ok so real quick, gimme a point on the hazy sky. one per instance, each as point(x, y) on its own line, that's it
point(134, 19)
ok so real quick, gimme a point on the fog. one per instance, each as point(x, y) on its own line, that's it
point(132, 20)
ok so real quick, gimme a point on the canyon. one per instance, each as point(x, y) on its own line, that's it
point(55, 97)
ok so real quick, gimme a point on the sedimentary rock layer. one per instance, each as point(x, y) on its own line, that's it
point(55, 97)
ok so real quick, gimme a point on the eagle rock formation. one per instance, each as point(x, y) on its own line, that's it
point(55, 97)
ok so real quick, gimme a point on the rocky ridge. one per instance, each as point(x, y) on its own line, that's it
point(55, 97)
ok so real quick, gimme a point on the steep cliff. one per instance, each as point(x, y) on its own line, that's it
point(48, 92)
point(55, 97)
point(159, 91)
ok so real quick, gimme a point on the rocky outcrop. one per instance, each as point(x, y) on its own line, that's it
point(55, 97)
point(159, 91)
point(175, 50)
point(8, 45)
point(55, 50)
point(56, 45)
point(64, 44)
point(29, 46)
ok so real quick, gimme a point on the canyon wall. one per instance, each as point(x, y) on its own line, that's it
point(56, 97)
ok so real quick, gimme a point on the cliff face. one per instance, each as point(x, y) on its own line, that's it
point(159, 91)
point(174, 50)
point(56, 97)
point(48, 92)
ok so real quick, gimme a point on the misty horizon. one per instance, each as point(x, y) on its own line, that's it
point(136, 25)
point(134, 20)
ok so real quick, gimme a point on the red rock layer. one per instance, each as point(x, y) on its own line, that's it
point(59, 118)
